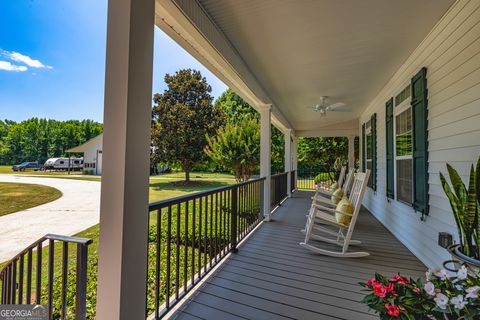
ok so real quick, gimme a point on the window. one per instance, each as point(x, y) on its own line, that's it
point(407, 144)
point(403, 155)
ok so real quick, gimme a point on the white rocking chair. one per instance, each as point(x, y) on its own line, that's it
point(324, 196)
point(327, 192)
point(332, 231)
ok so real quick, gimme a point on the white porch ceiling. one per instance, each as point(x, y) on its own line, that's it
point(298, 50)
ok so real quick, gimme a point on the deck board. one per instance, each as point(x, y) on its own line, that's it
point(272, 277)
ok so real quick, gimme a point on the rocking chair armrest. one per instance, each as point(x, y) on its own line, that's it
point(323, 200)
point(323, 191)
point(323, 208)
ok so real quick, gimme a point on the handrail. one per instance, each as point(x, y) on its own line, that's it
point(189, 235)
point(16, 289)
point(48, 236)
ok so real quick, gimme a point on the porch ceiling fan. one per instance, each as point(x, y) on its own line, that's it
point(323, 107)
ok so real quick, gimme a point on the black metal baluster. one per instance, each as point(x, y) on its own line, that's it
point(177, 256)
point(216, 227)
point(51, 261)
point(81, 282)
point(64, 279)
point(207, 248)
point(233, 232)
point(223, 213)
point(211, 230)
point(29, 277)
point(169, 253)
point(14, 282)
point(20, 280)
point(185, 258)
point(39, 274)
point(194, 211)
point(200, 227)
point(157, 261)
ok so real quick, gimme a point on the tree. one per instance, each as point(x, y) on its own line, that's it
point(328, 153)
point(237, 109)
point(237, 146)
point(39, 139)
point(182, 118)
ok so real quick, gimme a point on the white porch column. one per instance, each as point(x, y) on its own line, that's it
point(126, 140)
point(265, 156)
point(295, 154)
point(351, 151)
point(288, 159)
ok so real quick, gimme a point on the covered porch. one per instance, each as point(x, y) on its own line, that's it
point(272, 277)
point(281, 57)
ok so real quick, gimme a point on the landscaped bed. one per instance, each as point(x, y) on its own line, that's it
point(20, 196)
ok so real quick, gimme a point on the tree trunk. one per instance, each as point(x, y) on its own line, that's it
point(187, 174)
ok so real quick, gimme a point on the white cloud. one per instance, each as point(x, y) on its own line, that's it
point(7, 66)
point(18, 57)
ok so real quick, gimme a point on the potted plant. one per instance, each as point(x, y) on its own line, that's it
point(443, 295)
point(465, 208)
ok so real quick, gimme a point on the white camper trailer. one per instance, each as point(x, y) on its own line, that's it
point(73, 164)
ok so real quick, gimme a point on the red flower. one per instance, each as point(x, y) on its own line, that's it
point(371, 282)
point(390, 289)
point(379, 290)
point(399, 279)
point(392, 310)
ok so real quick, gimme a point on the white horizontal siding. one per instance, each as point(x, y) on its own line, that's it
point(451, 53)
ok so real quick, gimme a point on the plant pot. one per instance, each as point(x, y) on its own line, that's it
point(472, 264)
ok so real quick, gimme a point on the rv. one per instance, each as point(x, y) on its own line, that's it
point(76, 164)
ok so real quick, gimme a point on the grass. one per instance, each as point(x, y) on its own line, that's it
point(20, 196)
point(159, 190)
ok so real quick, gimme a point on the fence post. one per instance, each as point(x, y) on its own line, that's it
point(233, 225)
point(81, 289)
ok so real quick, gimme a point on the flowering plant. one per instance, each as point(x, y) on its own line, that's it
point(443, 295)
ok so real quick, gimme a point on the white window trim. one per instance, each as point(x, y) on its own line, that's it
point(397, 110)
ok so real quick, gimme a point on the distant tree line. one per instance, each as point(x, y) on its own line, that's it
point(39, 139)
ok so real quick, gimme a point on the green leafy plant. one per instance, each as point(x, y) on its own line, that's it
point(236, 146)
point(465, 208)
point(443, 295)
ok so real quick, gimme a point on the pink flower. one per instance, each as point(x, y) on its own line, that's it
point(392, 310)
point(379, 290)
point(399, 279)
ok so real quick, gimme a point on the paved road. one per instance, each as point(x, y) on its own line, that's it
point(76, 210)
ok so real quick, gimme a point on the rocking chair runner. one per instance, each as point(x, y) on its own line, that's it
point(338, 234)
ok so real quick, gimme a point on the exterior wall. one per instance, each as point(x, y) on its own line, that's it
point(451, 53)
point(90, 156)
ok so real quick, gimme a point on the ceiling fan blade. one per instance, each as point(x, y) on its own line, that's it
point(341, 110)
point(335, 105)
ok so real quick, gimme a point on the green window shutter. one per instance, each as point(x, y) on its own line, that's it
point(364, 154)
point(373, 175)
point(420, 141)
point(389, 147)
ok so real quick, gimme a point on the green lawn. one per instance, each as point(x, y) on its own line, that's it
point(20, 196)
point(159, 190)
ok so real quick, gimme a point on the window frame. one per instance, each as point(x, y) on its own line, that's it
point(397, 110)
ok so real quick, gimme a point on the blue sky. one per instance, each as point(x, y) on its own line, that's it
point(52, 59)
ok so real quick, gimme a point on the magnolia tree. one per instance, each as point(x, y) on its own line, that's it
point(182, 118)
point(236, 146)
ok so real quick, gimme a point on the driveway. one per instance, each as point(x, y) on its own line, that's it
point(77, 210)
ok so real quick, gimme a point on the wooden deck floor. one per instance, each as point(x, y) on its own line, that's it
point(272, 277)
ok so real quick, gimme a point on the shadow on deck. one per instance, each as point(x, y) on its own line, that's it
point(272, 277)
